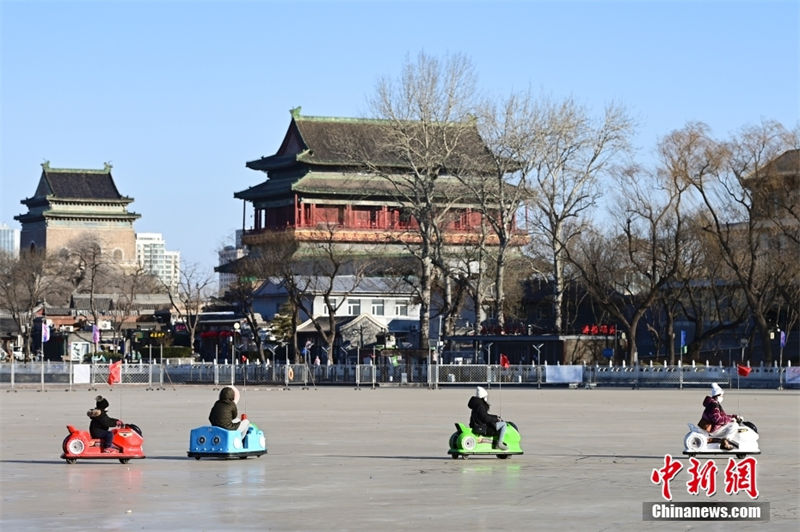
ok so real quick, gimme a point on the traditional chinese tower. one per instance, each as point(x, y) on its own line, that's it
point(316, 180)
point(74, 204)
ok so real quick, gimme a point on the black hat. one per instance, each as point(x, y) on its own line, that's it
point(102, 402)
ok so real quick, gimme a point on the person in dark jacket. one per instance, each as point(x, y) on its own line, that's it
point(224, 413)
point(482, 422)
point(720, 425)
point(101, 423)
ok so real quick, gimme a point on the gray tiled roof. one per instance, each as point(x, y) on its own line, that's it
point(788, 162)
point(328, 141)
point(85, 184)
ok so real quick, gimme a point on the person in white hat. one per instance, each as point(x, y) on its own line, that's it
point(484, 423)
point(719, 425)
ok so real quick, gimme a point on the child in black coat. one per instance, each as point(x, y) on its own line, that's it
point(224, 413)
point(101, 423)
point(482, 422)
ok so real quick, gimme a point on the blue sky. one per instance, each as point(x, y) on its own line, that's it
point(178, 95)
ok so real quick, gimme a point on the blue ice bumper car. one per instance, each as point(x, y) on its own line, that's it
point(209, 441)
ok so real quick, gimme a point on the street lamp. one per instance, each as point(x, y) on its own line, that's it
point(236, 328)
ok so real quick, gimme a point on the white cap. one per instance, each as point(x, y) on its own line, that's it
point(481, 393)
point(716, 390)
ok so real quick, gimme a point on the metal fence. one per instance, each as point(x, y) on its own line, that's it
point(159, 376)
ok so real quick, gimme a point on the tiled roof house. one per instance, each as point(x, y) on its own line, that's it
point(74, 204)
point(318, 178)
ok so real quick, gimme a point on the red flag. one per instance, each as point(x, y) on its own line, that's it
point(744, 371)
point(115, 372)
point(504, 361)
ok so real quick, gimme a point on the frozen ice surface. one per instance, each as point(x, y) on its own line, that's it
point(345, 459)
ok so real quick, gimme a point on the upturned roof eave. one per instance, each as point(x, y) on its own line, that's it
point(273, 162)
point(50, 198)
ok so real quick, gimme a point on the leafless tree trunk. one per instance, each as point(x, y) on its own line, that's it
point(510, 131)
point(190, 296)
point(427, 111)
point(627, 273)
point(702, 292)
point(241, 293)
point(130, 283)
point(91, 270)
point(729, 180)
point(24, 284)
point(335, 274)
point(569, 154)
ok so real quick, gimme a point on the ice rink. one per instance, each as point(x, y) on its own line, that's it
point(345, 459)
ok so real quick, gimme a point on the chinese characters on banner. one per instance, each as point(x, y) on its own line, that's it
point(738, 477)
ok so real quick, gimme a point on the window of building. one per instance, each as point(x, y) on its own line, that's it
point(401, 307)
point(333, 302)
point(353, 307)
point(377, 307)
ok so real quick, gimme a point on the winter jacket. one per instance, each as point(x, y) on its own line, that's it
point(715, 414)
point(224, 411)
point(481, 421)
point(100, 423)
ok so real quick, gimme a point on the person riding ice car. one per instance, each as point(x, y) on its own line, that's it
point(224, 413)
point(715, 421)
point(482, 422)
point(101, 423)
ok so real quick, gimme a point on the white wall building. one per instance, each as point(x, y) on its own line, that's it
point(387, 303)
point(9, 240)
point(152, 255)
point(227, 255)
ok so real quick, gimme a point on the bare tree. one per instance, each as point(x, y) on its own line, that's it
point(251, 271)
point(333, 275)
point(428, 125)
point(510, 131)
point(193, 291)
point(628, 272)
point(129, 284)
point(569, 154)
point(91, 270)
point(726, 178)
point(241, 293)
point(24, 284)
